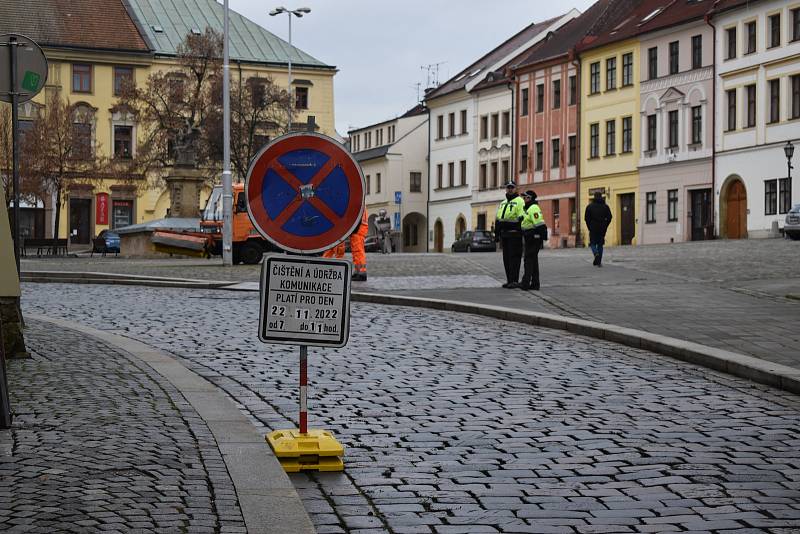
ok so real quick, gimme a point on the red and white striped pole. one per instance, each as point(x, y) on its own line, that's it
point(303, 389)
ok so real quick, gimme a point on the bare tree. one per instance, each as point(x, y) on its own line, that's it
point(6, 156)
point(57, 151)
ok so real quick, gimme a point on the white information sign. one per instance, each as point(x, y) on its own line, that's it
point(305, 301)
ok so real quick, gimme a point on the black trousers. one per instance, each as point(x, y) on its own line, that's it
point(512, 255)
point(530, 277)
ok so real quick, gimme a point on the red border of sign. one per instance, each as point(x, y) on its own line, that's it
point(271, 229)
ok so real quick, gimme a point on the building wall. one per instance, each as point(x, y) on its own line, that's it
point(616, 173)
point(755, 154)
point(688, 164)
point(448, 203)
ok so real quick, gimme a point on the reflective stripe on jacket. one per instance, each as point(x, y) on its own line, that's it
point(533, 217)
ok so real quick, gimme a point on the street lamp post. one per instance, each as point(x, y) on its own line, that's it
point(299, 12)
point(227, 183)
point(788, 149)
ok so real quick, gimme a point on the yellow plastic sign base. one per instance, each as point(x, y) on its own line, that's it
point(315, 450)
point(312, 463)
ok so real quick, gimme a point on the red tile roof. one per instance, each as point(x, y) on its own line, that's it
point(90, 24)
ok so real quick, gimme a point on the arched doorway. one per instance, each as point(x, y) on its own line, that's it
point(735, 210)
point(438, 236)
point(413, 232)
point(461, 226)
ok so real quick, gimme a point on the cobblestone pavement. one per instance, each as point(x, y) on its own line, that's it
point(462, 424)
point(100, 443)
point(726, 294)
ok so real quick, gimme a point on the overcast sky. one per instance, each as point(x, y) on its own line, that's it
point(380, 46)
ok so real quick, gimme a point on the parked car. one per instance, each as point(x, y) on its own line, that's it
point(111, 240)
point(792, 225)
point(479, 240)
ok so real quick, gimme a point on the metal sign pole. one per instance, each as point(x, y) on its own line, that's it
point(12, 48)
point(303, 389)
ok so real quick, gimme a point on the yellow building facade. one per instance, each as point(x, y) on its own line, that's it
point(610, 140)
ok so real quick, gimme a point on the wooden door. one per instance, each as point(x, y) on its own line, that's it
point(80, 213)
point(736, 212)
point(627, 218)
point(438, 237)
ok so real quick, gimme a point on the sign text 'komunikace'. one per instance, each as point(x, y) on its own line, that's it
point(305, 301)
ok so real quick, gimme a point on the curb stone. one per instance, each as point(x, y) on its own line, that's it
point(268, 499)
point(740, 365)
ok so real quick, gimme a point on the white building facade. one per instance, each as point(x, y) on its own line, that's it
point(676, 200)
point(758, 111)
point(393, 157)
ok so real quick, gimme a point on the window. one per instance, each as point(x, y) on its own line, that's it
point(495, 125)
point(82, 140)
point(594, 78)
point(672, 205)
point(770, 197)
point(674, 50)
point(730, 33)
point(652, 63)
point(506, 123)
point(463, 121)
point(555, 159)
point(556, 94)
point(784, 195)
point(573, 90)
point(796, 24)
point(482, 176)
point(774, 30)
point(751, 37)
point(123, 137)
point(484, 127)
point(451, 130)
point(627, 69)
point(651, 207)
point(121, 213)
point(673, 129)
point(523, 158)
point(651, 133)
point(439, 127)
point(123, 77)
point(451, 174)
point(795, 80)
point(523, 109)
point(697, 51)
point(540, 98)
point(81, 78)
point(611, 73)
point(506, 171)
point(751, 106)
point(415, 182)
point(627, 134)
point(556, 211)
point(731, 94)
point(301, 97)
point(539, 155)
point(611, 137)
point(573, 150)
point(377, 183)
point(369, 183)
point(594, 140)
point(495, 177)
point(697, 125)
point(463, 169)
point(774, 101)
point(439, 176)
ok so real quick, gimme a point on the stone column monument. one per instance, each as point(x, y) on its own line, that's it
point(185, 180)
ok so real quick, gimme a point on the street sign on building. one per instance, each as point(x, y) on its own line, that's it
point(305, 301)
point(305, 192)
point(397, 220)
point(398, 197)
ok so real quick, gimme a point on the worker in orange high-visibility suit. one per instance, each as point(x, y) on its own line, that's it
point(357, 248)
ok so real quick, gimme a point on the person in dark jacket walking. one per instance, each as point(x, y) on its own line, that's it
point(597, 217)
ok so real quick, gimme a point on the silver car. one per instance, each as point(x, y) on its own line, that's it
point(792, 226)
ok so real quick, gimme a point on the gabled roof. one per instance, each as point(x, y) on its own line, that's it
point(419, 109)
point(479, 67)
point(84, 24)
point(372, 153)
point(165, 23)
point(648, 16)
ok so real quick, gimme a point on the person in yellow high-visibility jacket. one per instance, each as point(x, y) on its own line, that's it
point(534, 232)
point(508, 232)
